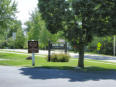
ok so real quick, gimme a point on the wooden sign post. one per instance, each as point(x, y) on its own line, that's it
point(33, 48)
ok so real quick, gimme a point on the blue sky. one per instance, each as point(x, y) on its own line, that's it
point(25, 8)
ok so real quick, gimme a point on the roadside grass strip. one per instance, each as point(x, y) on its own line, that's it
point(97, 61)
point(37, 54)
point(13, 59)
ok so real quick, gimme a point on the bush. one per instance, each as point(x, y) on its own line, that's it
point(60, 58)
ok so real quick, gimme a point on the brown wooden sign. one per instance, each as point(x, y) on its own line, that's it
point(33, 47)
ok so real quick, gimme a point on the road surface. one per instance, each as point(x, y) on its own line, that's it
point(39, 77)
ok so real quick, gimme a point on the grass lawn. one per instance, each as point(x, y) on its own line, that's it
point(13, 59)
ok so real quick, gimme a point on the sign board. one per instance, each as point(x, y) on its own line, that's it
point(32, 46)
point(99, 46)
point(58, 46)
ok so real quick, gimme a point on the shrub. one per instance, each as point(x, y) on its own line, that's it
point(60, 57)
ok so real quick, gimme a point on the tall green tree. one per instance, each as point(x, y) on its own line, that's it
point(7, 16)
point(8, 39)
point(20, 39)
point(45, 36)
point(80, 20)
point(15, 36)
point(34, 26)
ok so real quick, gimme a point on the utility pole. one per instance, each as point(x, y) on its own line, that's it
point(114, 50)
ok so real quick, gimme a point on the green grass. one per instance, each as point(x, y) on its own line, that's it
point(98, 65)
point(19, 60)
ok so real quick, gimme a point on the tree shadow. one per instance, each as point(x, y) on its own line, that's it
point(72, 75)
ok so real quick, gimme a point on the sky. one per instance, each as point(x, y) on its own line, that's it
point(25, 8)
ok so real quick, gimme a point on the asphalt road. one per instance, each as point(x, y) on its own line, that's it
point(39, 77)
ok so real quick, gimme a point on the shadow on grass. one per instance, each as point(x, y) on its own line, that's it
point(58, 67)
point(72, 75)
point(93, 68)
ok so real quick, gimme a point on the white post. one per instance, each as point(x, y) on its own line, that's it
point(114, 46)
point(33, 59)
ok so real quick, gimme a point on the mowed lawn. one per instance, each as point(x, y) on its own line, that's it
point(13, 59)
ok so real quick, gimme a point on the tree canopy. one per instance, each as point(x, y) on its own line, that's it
point(80, 20)
point(7, 19)
point(36, 29)
point(7, 14)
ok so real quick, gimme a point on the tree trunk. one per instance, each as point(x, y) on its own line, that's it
point(81, 44)
point(81, 55)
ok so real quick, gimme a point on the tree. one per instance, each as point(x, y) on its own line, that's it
point(15, 36)
point(8, 39)
point(34, 26)
point(7, 16)
point(20, 39)
point(80, 20)
point(16, 24)
point(45, 36)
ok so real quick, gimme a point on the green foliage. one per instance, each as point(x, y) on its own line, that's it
point(60, 58)
point(26, 43)
point(80, 20)
point(7, 14)
point(7, 22)
point(16, 24)
point(20, 39)
point(52, 13)
point(2, 39)
point(106, 47)
point(34, 26)
point(44, 37)
point(11, 43)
